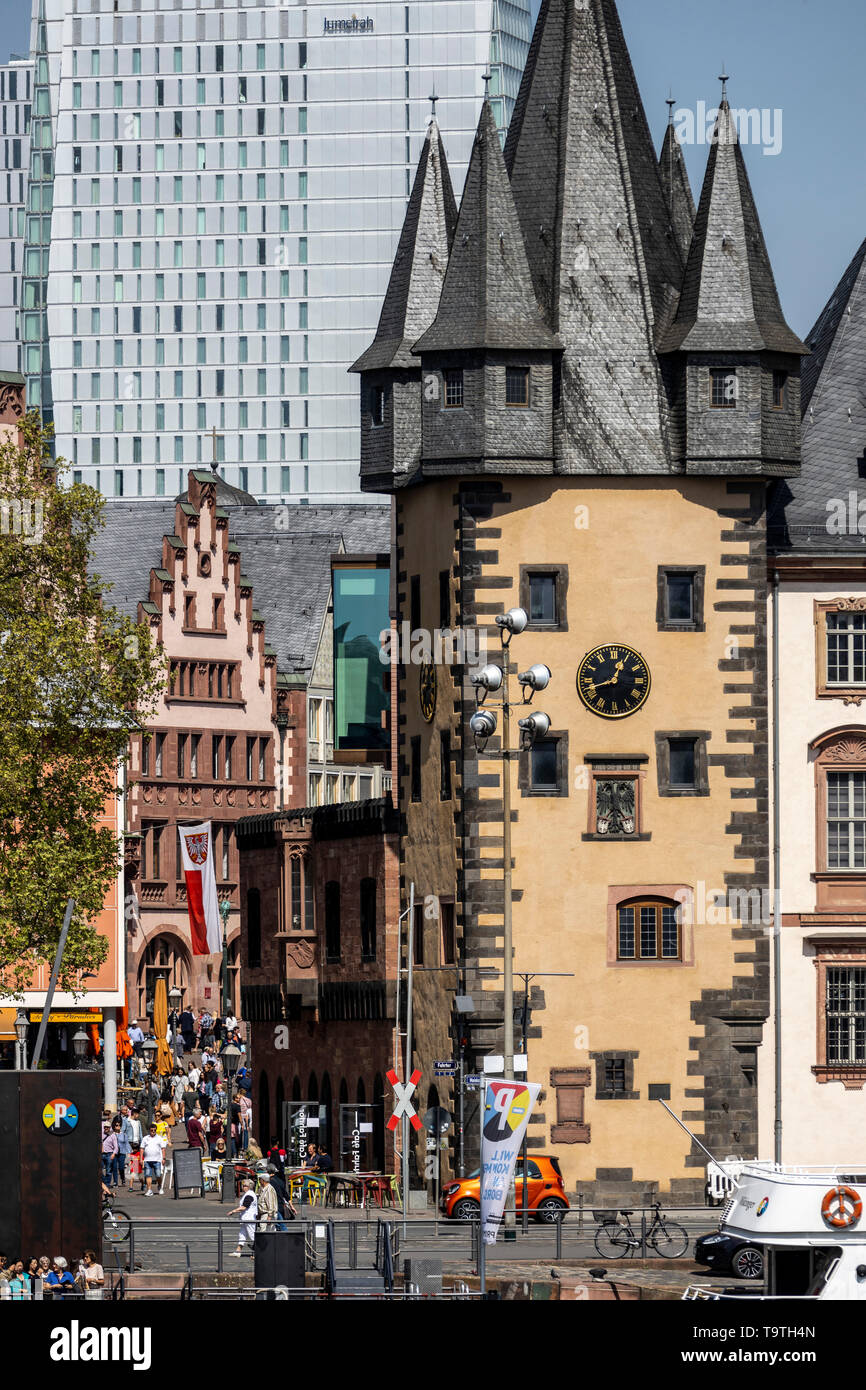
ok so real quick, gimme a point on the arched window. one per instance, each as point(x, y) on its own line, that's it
point(280, 1102)
point(649, 929)
point(368, 919)
point(361, 1094)
point(332, 920)
point(165, 956)
point(254, 929)
point(313, 1087)
point(234, 973)
point(378, 1124)
point(296, 1088)
point(325, 1118)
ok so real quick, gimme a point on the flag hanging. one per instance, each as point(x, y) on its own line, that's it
point(196, 847)
point(507, 1108)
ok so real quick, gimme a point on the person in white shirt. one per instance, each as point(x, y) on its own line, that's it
point(231, 1023)
point(248, 1212)
point(152, 1150)
point(194, 1077)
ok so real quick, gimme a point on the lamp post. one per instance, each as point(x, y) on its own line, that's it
point(225, 909)
point(149, 1050)
point(230, 1057)
point(79, 1046)
point(175, 998)
point(21, 1028)
point(489, 680)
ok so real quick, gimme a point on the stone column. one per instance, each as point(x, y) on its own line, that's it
point(109, 1057)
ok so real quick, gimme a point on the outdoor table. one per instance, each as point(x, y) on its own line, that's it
point(347, 1181)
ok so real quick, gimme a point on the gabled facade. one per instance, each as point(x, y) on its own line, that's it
point(818, 522)
point(615, 489)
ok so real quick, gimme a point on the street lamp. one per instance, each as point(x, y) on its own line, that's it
point(225, 909)
point(149, 1049)
point(230, 1057)
point(490, 680)
point(79, 1046)
point(21, 1029)
point(174, 998)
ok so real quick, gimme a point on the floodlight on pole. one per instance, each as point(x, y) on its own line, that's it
point(511, 623)
point(533, 727)
point(536, 678)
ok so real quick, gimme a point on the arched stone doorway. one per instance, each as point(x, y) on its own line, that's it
point(166, 956)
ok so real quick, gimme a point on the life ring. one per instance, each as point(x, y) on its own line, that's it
point(841, 1207)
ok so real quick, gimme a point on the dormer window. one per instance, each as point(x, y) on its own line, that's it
point(453, 390)
point(517, 387)
point(377, 406)
point(724, 388)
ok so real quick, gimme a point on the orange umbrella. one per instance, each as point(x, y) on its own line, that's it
point(164, 1062)
point(124, 1046)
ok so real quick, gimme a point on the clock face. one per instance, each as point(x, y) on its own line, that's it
point(613, 681)
point(427, 691)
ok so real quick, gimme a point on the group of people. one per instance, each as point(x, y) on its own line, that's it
point(189, 1030)
point(267, 1204)
point(19, 1279)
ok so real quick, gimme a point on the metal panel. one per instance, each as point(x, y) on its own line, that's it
point(10, 1192)
point(60, 1173)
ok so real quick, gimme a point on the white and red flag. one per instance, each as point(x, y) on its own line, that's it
point(196, 848)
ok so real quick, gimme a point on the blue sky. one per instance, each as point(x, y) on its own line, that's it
point(802, 58)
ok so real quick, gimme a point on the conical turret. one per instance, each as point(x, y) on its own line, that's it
point(677, 189)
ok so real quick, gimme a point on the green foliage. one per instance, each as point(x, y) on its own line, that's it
point(76, 677)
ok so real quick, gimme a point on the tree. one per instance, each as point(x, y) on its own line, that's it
point(76, 678)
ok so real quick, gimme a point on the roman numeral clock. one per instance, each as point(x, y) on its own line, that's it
point(613, 681)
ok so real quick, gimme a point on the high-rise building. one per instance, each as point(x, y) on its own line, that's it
point(227, 188)
point(16, 79)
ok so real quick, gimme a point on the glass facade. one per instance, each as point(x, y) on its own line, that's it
point(361, 682)
point(235, 176)
point(16, 92)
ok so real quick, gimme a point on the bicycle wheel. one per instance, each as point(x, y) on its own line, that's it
point(670, 1240)
point(611, 1241)
point(116, 1225)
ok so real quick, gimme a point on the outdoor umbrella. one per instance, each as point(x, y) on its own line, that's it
point(160, 1027)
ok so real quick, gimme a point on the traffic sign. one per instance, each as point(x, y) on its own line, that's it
point(473, 1080)
point(403, 1091)
point(437, 1119)
point(444, 1068)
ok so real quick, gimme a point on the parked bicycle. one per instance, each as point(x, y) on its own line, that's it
point(116, 1224)
point(614, 1238)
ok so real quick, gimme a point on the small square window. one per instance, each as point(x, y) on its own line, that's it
point(543, 592)
point(517, 386)
point(542, 598)
point(680, 605)
point(453, 390)
point(724, 388)
point(680, 598)
point(682, 764)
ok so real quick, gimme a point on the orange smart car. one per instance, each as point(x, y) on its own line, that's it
point(546, 1196)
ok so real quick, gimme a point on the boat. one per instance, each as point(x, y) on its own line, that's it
point(810, 1222)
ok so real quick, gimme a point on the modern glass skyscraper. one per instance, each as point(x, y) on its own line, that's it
point(16, 79)
point(227, 187)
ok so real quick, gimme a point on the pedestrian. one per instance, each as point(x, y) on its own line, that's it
point(59, 1279)
point(152, 1151)
point(195, 1132)
point(187, 1030)
point(91, 1274)
point(136, 1037)
point(135, 1139)
point(219, 1099)
point(246, 1108)
point(109, 1151)
point(19, 1281)
point(231, 1022)
point(277, 1156)
point(214, 1130)
point(194, 1076)
point(248, 1211)
point(278, 1183)
point(269, 1212)
point(118, 1162)
point(178, 1086)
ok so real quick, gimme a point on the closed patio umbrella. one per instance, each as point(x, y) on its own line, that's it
point(124, 1046)
point(164, 1062)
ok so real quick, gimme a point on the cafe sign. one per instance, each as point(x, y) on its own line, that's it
point(70, 1016)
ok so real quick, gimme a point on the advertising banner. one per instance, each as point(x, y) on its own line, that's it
point(507, 1108)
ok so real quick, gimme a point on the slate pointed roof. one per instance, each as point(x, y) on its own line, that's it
point(419, 267)
point(605, 261)
point(834, 420)
point(487, 299)
point(729, 300)
point(677, 190)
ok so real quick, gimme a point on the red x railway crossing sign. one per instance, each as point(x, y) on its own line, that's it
point(403, 1091)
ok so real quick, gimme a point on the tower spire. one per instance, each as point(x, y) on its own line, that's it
point(724, 78)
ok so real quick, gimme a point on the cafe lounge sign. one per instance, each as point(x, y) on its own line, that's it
point(349, 26)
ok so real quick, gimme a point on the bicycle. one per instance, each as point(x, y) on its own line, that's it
point(116, 1224)
point(615, 1239)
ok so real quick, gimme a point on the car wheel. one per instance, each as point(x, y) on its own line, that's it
point(749, 1262)
point(467, 1209)
point(550, 1210)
